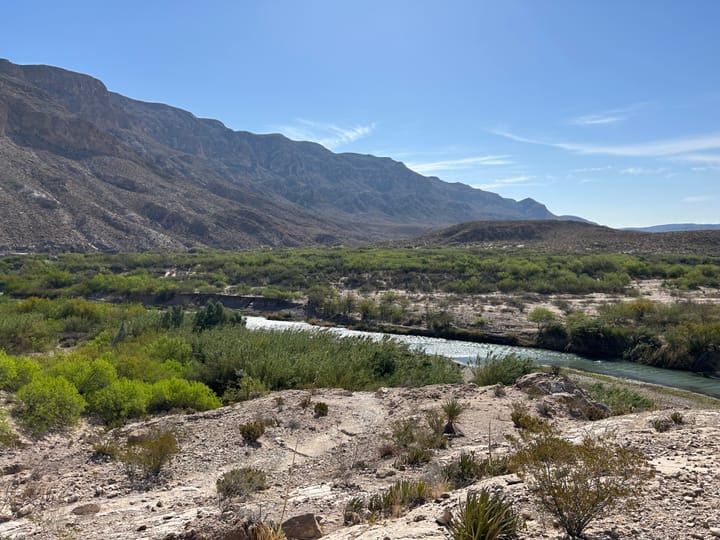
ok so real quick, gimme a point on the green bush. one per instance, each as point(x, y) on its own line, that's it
point(662, 424)
point(170, 394)
point(485, 515)
point(8, 437)
point(241, 482)
point(501, 370)
point(49, 403)
point(467, 468)
point(620, 400)
point(411, 433)
point(463, 471)
point(403, 494)
point(320, 409)
point(252, 431)
point(415, 457)
point(17, 371)
point(87, 376)
point(577, 483)
point(145, 459)
point(452, 409)
point(522, 419)
point(245, 389)
point(121, 400)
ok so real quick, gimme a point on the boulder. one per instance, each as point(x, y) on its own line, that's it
point(302, 527)
point(563, 391)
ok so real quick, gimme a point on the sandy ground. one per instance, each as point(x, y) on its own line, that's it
point(317, 464)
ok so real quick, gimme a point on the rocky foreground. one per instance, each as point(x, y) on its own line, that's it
point(59, 487)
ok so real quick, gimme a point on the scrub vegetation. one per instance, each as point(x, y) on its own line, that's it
point(76, 338)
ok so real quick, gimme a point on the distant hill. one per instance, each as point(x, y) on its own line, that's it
point(83, 168)
point(676, 227)
point(571, 236)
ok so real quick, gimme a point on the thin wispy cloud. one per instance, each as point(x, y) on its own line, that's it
point(681, 148)
point(459, 164)
point(597, 119)
point(692, 199)
point(329, 135)
point(701, 158)
point(592, 169)
point(642, 170)
point(611, 116)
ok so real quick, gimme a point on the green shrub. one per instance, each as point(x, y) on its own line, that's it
point(415, 457)
point(505, 370)
point(463, 471)
point(403, 494)
point(121, 400)
point(412, 433)
point(620, 400)
point(485, 515)
point(145, 459)
point(49, 403)
point(87, 376)
point(241, 482)
point(432, 435)
point(245, 389)
point(577, 483)
point(320, 409)
point(677, 418)
point(467, 468)
point(522, 419)
point(8, 437)
point(452, 409)
point(252, 431)
point(8, 372)
point(170, 394)
point(662, 424)
point(167, 347)
point(17, 371)
point(107, 450)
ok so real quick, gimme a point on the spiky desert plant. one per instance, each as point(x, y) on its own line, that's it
point(485, 515)
point(452, 409)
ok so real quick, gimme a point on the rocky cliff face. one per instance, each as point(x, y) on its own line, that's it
point(84, 168)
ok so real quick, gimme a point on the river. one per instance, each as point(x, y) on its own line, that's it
point(466, 352)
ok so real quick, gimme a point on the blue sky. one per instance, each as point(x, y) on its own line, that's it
point(609, 110)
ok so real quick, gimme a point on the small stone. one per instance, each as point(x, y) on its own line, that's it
point(445, 518)
point(141, 528)
point(419, 518)
point(27, 510)
point(513, 480)
point(715, 531)
point(86, 509)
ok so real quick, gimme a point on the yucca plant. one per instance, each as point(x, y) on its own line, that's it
point(463, 471)
point(486, 515)
point(452, 409)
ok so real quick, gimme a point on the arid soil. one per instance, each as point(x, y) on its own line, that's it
point(57, 488)
point(506, 314)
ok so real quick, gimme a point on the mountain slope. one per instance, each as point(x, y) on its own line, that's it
point(571, 236)
point(85, 168)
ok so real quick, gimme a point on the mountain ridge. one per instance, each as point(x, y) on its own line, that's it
point(85, 168)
